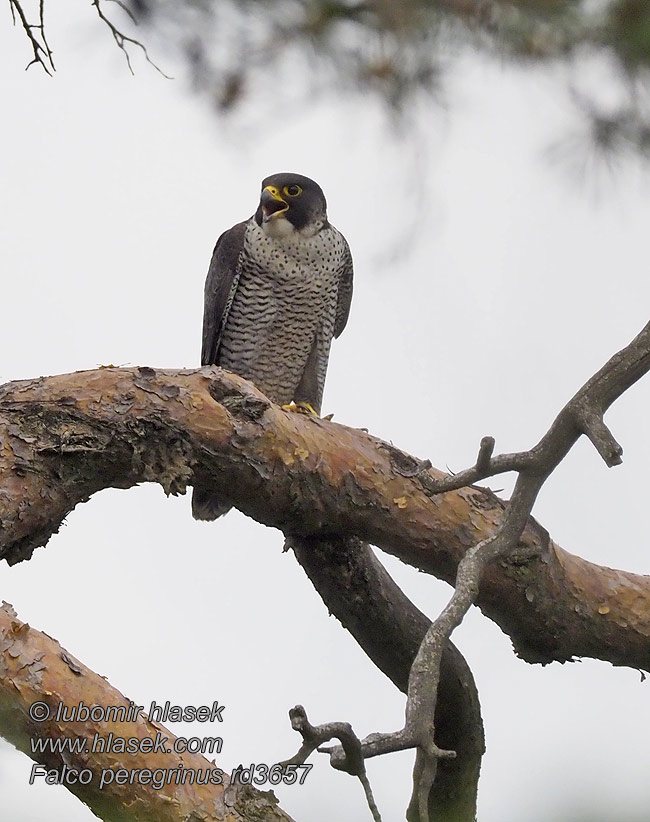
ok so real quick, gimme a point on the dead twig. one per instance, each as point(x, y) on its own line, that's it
point(35, 32)
point(312, 737)
point(122, 40)
point(42, 53)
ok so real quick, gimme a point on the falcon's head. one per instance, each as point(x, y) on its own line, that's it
point(290, 203)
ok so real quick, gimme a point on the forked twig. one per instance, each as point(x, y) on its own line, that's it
point(314, 735)
point(43, 55)
point(122, 40)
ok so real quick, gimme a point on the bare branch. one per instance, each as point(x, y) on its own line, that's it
point(41, 17)
point(485, 454)
point(314, 735)
point(425, 672)
point(122, 40)
point(42, 52)
point(370, 799)
point(486, 466)
point(43, 55)
point(358, 590)
point(583, 414)
point(593, 425)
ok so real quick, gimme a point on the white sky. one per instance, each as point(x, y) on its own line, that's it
point(515, 286)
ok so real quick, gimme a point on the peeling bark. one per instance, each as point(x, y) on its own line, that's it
point(64, 438)
point(34, 668)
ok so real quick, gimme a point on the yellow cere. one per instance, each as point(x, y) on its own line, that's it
point(274, 192)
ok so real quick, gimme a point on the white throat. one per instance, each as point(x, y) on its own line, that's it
point(278, 228)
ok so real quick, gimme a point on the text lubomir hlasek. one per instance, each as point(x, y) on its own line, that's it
point(129, 713)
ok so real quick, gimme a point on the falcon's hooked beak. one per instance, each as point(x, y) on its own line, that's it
point(272, 204)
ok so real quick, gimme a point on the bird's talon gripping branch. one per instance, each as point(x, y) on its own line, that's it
point(301, 408)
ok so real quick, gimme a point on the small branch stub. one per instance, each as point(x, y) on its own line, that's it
point(485, 452)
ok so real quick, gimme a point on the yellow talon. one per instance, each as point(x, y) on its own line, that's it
point(300, 408)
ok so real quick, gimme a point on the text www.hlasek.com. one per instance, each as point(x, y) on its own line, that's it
point(129, 745)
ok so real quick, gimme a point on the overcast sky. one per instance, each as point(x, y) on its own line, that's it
point(489, 285)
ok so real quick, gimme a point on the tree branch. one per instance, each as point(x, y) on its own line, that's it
point(122, 40)
point(35, 670)
point(358, 590)
point(42, 52)
point(314, 735)
point(583, 414)
point(191, 443)
point(66, 437)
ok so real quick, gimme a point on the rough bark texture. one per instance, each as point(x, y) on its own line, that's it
point(34, 668)
point(359, 591)
point(63, 438)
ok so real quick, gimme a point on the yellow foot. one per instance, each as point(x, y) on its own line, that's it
point(300, 408)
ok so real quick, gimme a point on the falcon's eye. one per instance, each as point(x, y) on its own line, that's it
point(292, 191)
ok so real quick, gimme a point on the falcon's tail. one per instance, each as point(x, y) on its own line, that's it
point(207, 506)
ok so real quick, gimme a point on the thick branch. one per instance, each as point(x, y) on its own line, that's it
point(64, 438)
point(35, 669)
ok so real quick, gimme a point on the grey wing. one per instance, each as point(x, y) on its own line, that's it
point(344, 295)
point(220, 287)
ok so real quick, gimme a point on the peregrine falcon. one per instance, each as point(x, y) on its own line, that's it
point(278, 289)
